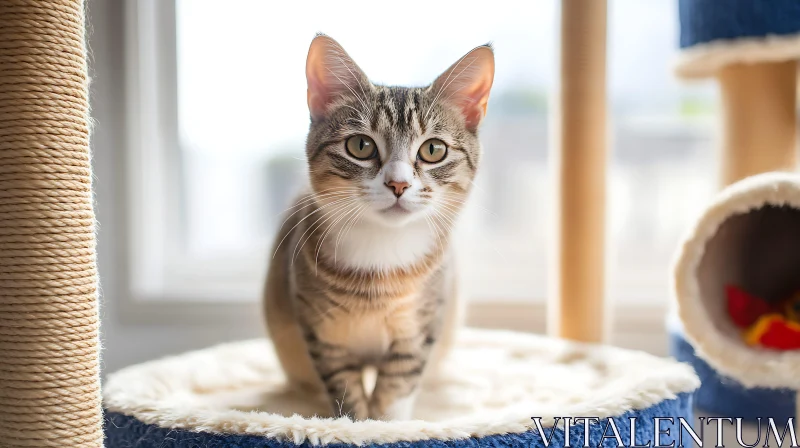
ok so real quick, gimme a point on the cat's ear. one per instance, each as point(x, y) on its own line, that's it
point(331, 73)
point(466, 84)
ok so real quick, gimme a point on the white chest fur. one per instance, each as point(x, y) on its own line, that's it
point(370, 245)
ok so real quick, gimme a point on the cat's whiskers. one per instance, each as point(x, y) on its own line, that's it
point(454, 209)
point(336, 205)
point(343, 227)
point(449, 220)
point(312, 197)
point(349, 224)
point(438, 232)
point(441, 228)
point(458, 201)
point(313, 227)
point(477, 186)
point(322, 207)
point(430, 226)
point(309, 201)
point(341, 216)
point(446, 220)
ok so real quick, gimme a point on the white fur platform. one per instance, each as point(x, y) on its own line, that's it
point(492, 384)
point(705, 60)
point(748, 237)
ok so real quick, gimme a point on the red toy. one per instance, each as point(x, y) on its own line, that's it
point(745, 309)
point(775, 326)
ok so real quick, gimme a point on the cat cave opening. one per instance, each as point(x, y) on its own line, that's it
point(748, 277)
point(737, 282)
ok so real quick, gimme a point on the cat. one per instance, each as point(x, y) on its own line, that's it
point(362, 273)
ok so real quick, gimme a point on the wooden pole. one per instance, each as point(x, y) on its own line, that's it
point(759, 122)
point(577, 308)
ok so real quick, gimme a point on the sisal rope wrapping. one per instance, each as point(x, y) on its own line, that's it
point(49, 345)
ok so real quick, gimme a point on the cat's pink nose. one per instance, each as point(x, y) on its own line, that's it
point(398, 187)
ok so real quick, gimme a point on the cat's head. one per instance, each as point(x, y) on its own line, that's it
point(394, 154)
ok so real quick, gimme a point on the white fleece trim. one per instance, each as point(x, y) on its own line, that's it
point(673, 323)
point(705, 60)
point(751, 366)
point(493, 383)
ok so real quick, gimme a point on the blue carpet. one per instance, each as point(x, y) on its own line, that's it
point(123, 431)
point(727, 397)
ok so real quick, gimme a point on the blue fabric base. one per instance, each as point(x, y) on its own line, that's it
point(123, 431)
point(727, 397)
point(704, 21)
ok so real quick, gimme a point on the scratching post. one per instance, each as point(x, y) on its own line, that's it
point(49, 380)
point(577, 308)
point(759, 119)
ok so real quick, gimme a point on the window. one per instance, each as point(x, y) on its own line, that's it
point(221, 117)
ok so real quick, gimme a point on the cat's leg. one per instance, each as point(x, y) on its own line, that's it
point(342, 375)
point(283, 325)
point(285, 330)
point(293, 352)
point(399, 375)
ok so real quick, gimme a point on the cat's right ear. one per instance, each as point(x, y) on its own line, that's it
point(466, 84)
point(331, 73)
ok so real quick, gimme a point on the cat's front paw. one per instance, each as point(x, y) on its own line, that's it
point(400, 409)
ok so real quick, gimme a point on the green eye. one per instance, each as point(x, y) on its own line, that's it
point(433, 150)
point(361, 147)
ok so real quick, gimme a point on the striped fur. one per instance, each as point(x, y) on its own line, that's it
point(361, 277)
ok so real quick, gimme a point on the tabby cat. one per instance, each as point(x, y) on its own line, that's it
point(362, 274)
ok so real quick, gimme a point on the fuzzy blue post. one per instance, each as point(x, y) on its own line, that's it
point(727, 397)
point(715, 34)
point(704, 21)
point(125, 431)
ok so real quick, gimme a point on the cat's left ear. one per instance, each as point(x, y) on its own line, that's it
point(466, 84)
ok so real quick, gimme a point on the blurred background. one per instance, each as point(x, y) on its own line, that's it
point(198, 147)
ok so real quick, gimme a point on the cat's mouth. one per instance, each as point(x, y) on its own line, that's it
point(396, 208)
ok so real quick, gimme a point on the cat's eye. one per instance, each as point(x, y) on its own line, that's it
point(433, 150)
point(361, 147)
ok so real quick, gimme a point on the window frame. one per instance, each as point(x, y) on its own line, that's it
point(151, 250)
point(151, 214)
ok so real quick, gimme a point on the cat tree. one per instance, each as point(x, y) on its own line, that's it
point(751, 49)
point(233, 395)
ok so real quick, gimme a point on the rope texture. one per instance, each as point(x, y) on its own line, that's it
point(49, 345)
